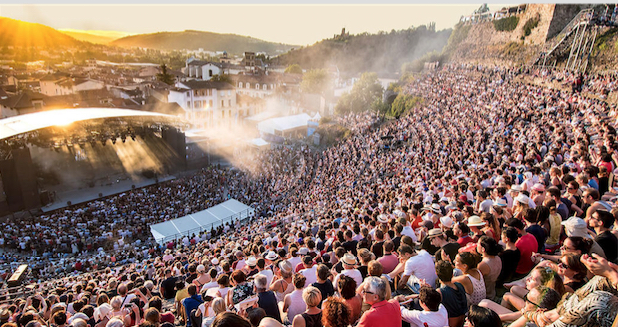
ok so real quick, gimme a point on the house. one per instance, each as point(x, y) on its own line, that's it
point(255, 85)
point(23, 103)
point(203, 70)
point(63, 84)
point(206, 103)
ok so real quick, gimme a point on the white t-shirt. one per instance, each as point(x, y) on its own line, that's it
point(421, 266)
point(269, 276)
point(310, 274)
point(408, 231)
point(206, 286)
point(418, 318)
point(353, 273)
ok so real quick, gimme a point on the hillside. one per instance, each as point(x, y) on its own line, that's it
point(382, 52)
point(194, 40)
point(23, 34)
point(97, 39)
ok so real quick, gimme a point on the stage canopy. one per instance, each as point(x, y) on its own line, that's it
point(283, 123)
point(200, 221)
point(30, 122)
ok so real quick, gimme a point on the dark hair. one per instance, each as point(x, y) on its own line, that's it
point(514, 222)
point(511, 234)
point(346, 286)
point(582, 244)
point(575, 264)
point(430, 297)
point(223, 280)
point(299, 280)
point(606, 218)
point(548, 297)
point(464, 228)
point(59, 318)
point(323, 272)
point(490, 245)
point(255, 315)
point(531, 215)
point(469, 259)
point(483, 317)
point(230, 319)
point(404, 248)
point(155, 302)
point(444, 270)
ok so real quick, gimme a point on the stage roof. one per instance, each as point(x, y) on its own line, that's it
point(283, 123)
point(200, 221)
point(30, 122)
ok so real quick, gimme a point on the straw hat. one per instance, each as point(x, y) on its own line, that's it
point(475, 221)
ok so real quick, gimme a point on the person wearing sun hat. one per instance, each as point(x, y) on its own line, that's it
point(349, 262)
point(438, 239)
point(475, 222)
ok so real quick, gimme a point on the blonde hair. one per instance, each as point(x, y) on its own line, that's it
point(312, 296)
point(116, 302)
point(218, 305)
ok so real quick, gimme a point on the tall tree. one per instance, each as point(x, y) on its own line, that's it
point(316, 81)
point(222, 78)
point(365, 92)
point(293, 69)
point(165, 77)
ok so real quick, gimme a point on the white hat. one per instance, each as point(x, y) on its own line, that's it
point(251, 261)
point(446, 221)
point(303, 251)
point(475, 221)
point(516, 188)
point(201, 268)
point(102, 311)
point(576, 227)
point(522, 198)
point(214, 261)
point(382, 219)
point(271, 256)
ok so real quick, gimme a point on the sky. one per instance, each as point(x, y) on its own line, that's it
point(296, 24)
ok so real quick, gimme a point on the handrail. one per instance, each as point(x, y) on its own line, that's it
point(582, 17)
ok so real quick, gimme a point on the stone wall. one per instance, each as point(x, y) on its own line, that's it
point(562, 16)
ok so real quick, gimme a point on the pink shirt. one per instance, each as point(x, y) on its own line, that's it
point(388, 262)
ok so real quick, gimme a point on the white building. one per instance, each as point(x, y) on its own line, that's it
point(206, 103)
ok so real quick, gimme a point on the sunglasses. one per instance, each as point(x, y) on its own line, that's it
point(367, 292)
point(528, 300)
point(563, 265)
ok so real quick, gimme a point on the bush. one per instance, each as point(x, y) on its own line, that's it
point(531, 24)
point(507, 24)
point(403, 103)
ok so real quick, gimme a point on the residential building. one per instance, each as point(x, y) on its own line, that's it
point(206, 103)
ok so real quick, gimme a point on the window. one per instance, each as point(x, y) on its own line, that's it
point(229, 103)
point(189, 93)
point(222, 114)
point(196, 92)
point(240, 85)
point(248, 86)
point(230, 113)
point(257, 86)
point(222, 103)
point(197, 104)
point(210, 72)
point(209, 103)
point(264, 87)
point(229, 92)
point(188, 104)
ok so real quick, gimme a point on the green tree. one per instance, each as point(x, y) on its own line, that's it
point(165, 77)
point(222, 78)
point(403, 103)
point(316, 81)
point(293, 69)
point(365, 92)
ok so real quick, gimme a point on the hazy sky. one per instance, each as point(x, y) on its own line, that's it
point(298, 24)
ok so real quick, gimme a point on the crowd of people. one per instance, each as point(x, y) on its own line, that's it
point(497, 208)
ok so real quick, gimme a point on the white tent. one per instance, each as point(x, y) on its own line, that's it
point(259, 143)
point(200, 221)
point(283, 124)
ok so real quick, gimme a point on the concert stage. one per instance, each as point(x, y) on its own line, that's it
point(88, 194)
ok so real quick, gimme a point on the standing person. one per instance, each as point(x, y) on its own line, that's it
point(192, 302)
point(168, 285)
point(382, 313)
point(312, 317)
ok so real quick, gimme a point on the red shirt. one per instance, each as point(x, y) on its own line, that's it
point(464, 240)
point(527, 245)
point(389, 262)
point(382, 314)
